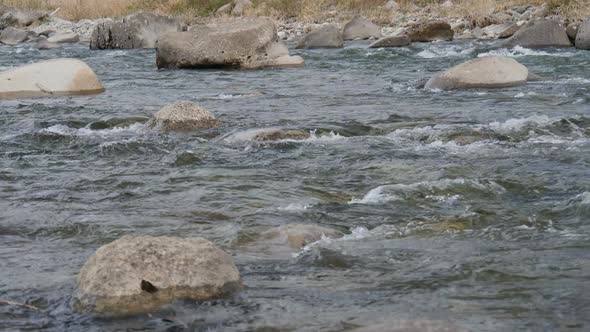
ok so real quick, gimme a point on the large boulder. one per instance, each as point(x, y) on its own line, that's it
point(139, 30)
point(392, 41)
point(183, 116)
point(57, 77)
point(486, 72)
point(539, 34)
point(13, 36)
point(20, 18)
point(431, 31)
point(237, 42)
point(326, 36)
point(138, 274)
point(583, 36)
point(360, 28)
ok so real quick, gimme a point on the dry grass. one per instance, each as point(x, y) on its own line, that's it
point(303, 10)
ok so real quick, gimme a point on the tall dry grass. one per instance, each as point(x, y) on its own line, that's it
point(305, 10)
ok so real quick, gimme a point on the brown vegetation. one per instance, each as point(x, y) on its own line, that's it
point(304, 10)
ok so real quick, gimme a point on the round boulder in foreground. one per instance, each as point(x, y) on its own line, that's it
point(486, 72)
point(51, 78)
point(183, 116)
point(138, 274)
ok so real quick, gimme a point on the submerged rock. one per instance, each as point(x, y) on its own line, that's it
point(43, 44)
point(486, 72)
point(139, 30)
point(326, 36)
point(138, 274)
point(245, 42)
point(431, 31)
point(183, 116)
point(50, 78)
point(297, 236)
point(360, 28)
point(539, 34)
point(270, 134)
point(392, 41)
point(583, 36)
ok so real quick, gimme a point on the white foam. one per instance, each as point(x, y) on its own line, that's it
point(584, 198)
point(64, 130)
point(436, 51)
point(295, 207)
point(519, 51)
point(395, 192)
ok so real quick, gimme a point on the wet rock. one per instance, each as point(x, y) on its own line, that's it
point(46, 45)
point(68, 37)
point(139, 30)
point(411, 326)
point(431, 31)
point(138, 274)
point(240, 6)
point(183, 116)
point(281, 134)
point(13, 36)
point(186, 158)
point(237, 42)
point(326, 36)
point(360, 28)
point(285, 61)
point(486, 72)
point(297, 236)
point(539, 34)
point(20, 18)
point(57, 77)
point(391, 41)
point(583, 36)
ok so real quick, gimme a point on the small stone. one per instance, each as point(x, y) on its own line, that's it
point(391, 41)
point(183, 116)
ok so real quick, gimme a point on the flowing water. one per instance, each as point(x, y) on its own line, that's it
point(466, 206)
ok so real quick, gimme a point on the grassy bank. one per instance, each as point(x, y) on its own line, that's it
point(304, 10)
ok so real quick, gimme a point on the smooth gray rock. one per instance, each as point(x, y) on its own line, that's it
point(539, 34)
point(237, 42)
point(65, 37)
point(13, 36)
point(431, 31)
point(50, 78)
point(392, 41)
point(360, 28)
point(138, 274)
point(583, 36)
point(486, 72)
point(326, 36)
point(183, 116)
point(139, 30)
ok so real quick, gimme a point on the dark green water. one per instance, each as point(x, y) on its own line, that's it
point(472, 207)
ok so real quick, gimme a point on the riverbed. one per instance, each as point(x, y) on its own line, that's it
point(466, 206)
